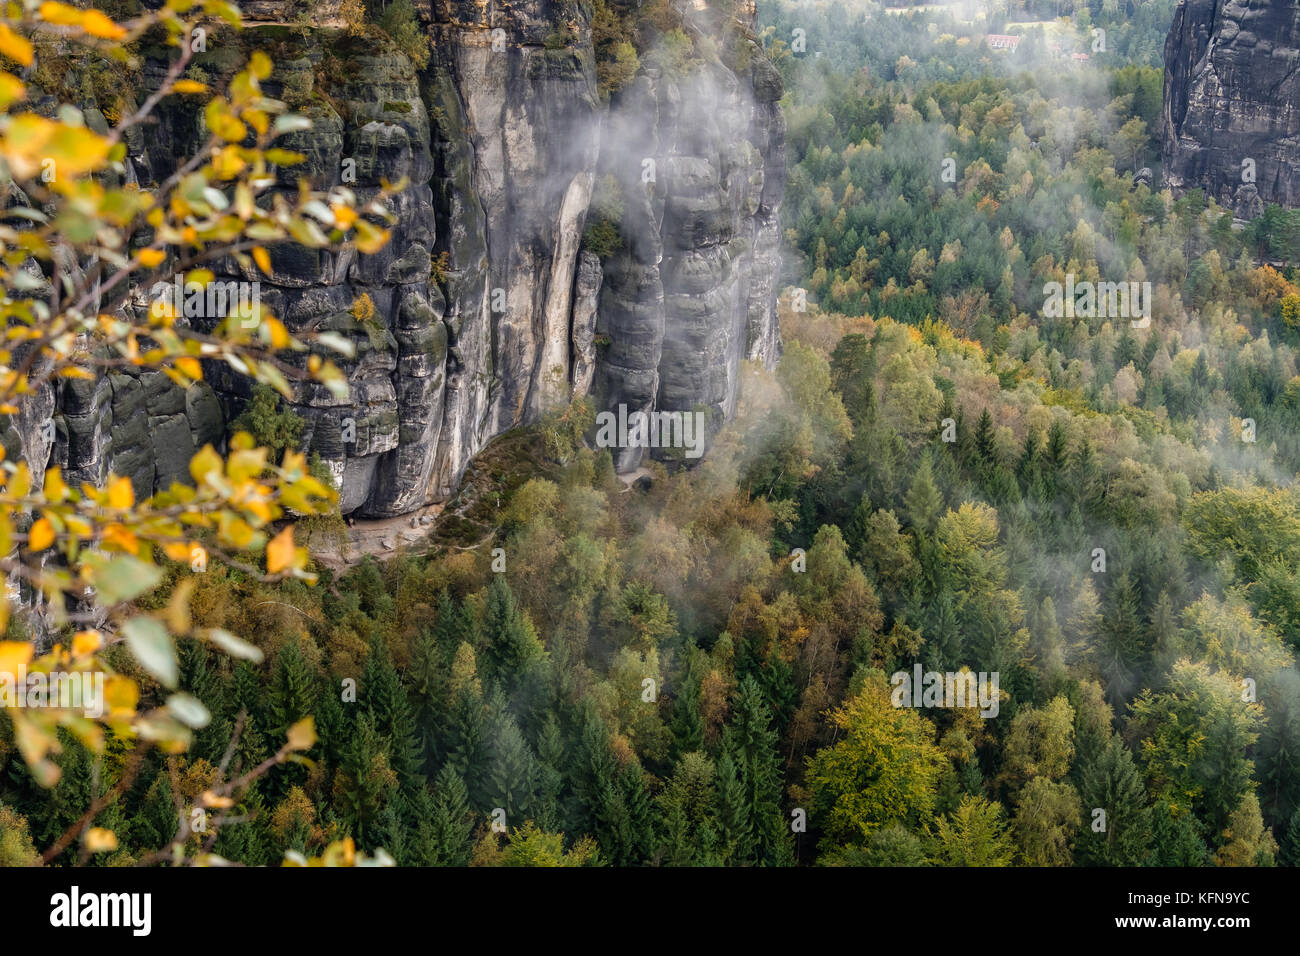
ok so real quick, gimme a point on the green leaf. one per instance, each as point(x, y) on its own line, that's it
point(291, 123)
point(152, 647)
point(125, 578)
point(189, 710)
point(235, 646)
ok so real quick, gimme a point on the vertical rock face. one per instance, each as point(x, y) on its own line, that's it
point(699, 163)
point(487, 308)
point(1232, 102)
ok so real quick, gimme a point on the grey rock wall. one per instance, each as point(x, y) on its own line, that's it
point(486, 310)
point(1232, 102)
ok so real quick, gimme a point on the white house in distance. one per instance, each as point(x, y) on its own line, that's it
point(1002, 41)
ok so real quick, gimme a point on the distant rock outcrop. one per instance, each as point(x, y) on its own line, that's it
point(1232, 102)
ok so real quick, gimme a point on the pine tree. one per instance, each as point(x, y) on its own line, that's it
point(248, 697)
point(454, 625)
point(384, 699)
point(333, 721)
point(762, 837)
point(365, 783)
point(1112, 783)
point(451, 823)
point(205, 683)
point(1175, 839)
point(923, 504)
point(391, 834)
point(429, 672)
point(247, 842)
point(687, 807)
point(1121, 646)
point(465, 748)
point(510, 643)
point(292, 691)
point(1289, 854)
point(985, 446)
point(550, 778)
point(512, 771)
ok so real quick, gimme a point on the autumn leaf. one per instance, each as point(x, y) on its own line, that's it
point(280, 551)
point(14, 656)
point(17, 48)
point(121, 494)
point(262, 258)
point(100, 840)
point(41, 536)
point(302, 735)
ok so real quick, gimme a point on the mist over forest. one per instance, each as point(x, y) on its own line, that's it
point(992, 559)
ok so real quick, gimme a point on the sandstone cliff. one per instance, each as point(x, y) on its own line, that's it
point(1232, 102)
point(491, 304)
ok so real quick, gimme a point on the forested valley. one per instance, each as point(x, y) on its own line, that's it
point(694, 668)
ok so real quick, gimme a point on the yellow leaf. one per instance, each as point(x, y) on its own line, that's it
point(122, 695)
point(99, 840)
point(190, 366)
point(11, 89)
point(17, 48)
point(262, 258)
point(98, 25)
point(345, 216)
point(14, 656)
point(55, 489)
point(121, 538)
point(151, 258)
point(189, 86)
point(279, 551)
point(86, 642)
point(302, 735)
point(177, 550)
point(121, 494)
point(60, 14)
point(41, 536)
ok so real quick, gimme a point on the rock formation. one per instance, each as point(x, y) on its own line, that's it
point(490, 305)
point(1232, 102)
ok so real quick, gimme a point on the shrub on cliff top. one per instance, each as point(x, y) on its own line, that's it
point(398, 20)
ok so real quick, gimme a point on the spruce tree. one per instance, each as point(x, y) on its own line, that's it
point(384, 698)
point(923, 504)
point(762, 835)
point(1112, 783)
point(510, 643)
point(365, 783)
point(451, 823)
point(512, 772)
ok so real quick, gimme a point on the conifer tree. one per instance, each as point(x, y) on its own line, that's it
point(510, 642)
point(512, 771)
point(758, 825)
point(923, 504)
point(1110, 782)
point(384, 699)
point(451, 823)
point(364, 783)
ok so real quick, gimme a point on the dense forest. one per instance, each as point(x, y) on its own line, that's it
point(695, 668)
